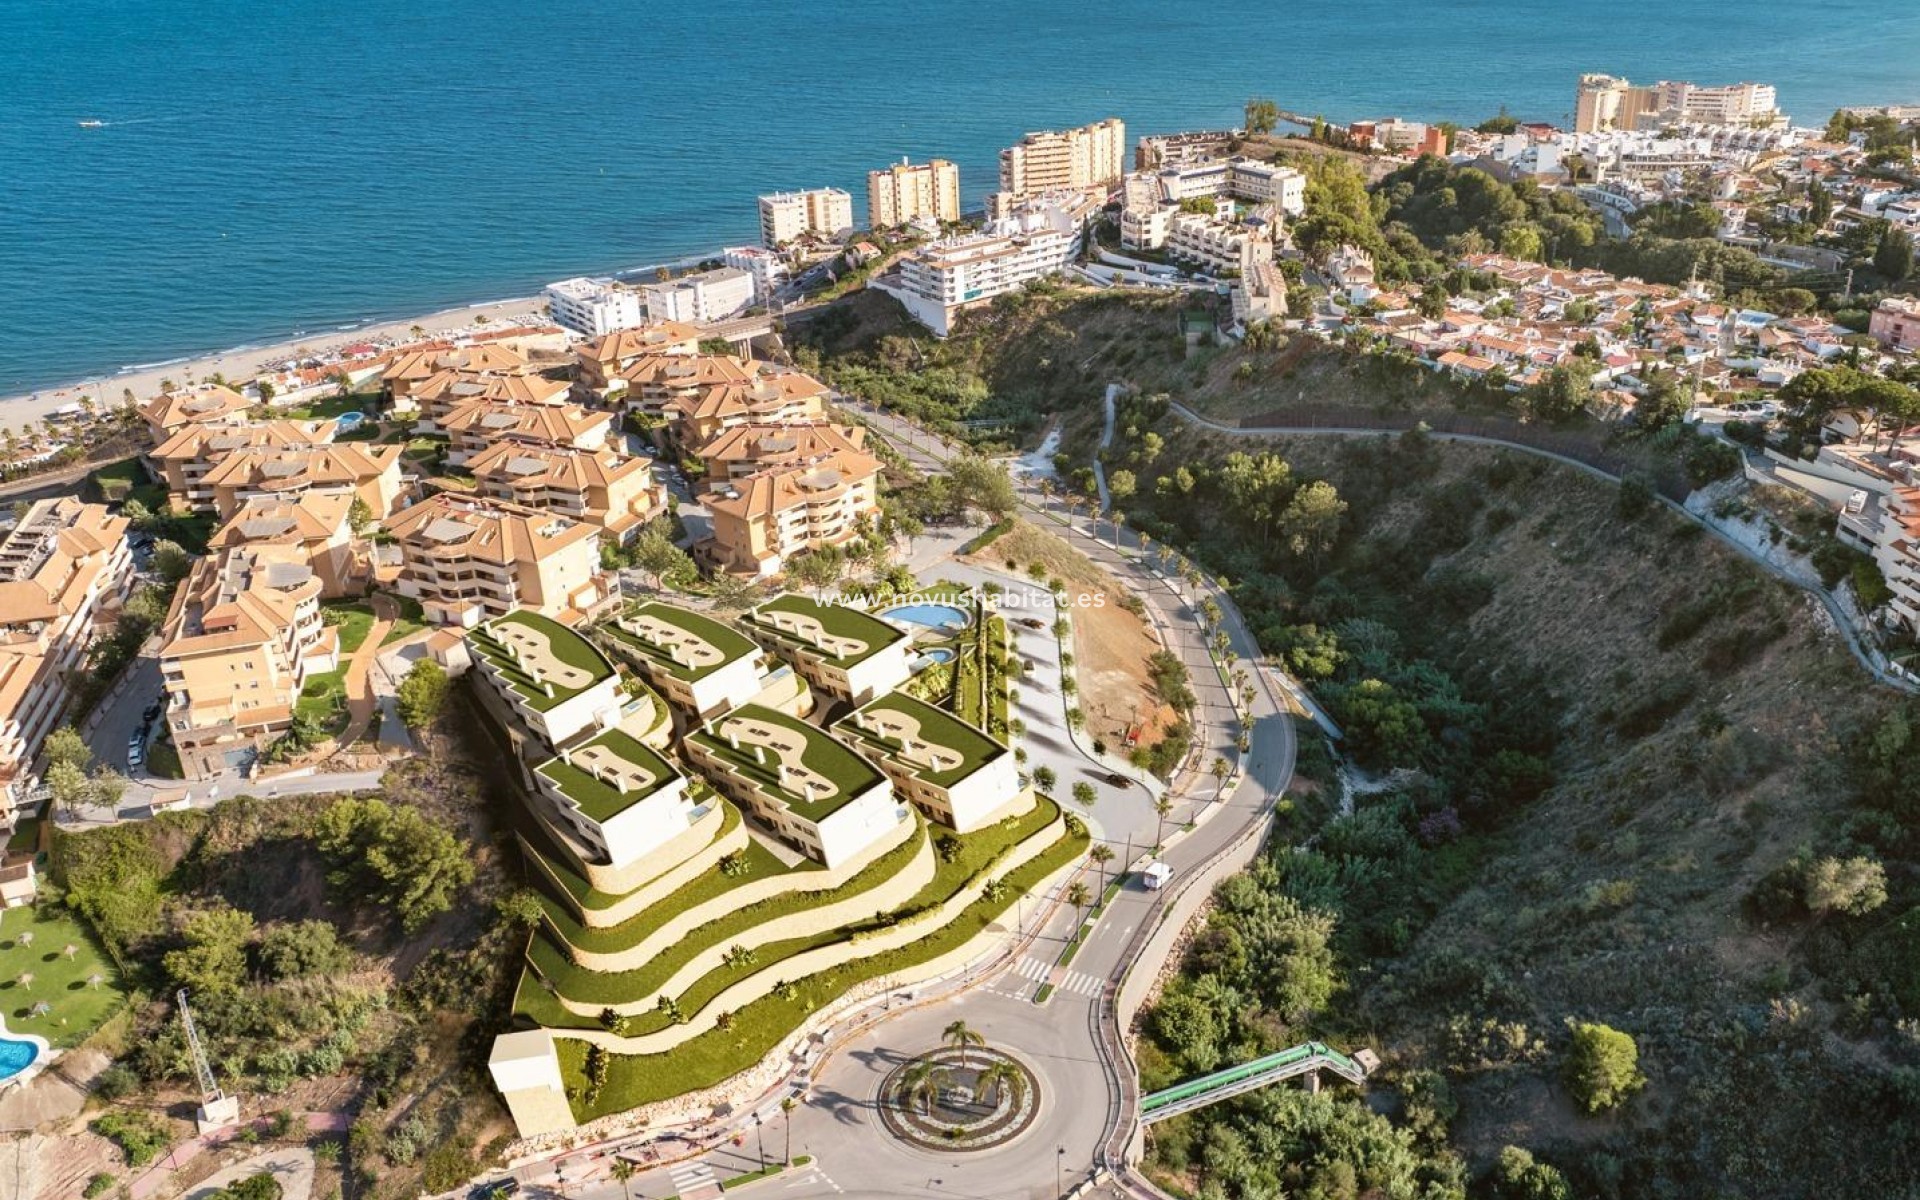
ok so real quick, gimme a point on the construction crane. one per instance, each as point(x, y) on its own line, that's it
point(217, 1109)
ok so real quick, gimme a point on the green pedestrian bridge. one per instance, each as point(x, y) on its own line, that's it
point(1234, 1081)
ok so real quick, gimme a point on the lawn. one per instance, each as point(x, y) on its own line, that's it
point(333, 406)
point(324, 700)
point(57, 980)
point(716, 1055)
point(353, 619)
point(162, 759)
point(126, 480)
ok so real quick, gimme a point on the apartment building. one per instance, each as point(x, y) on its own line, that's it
point(361, 470)
point(182, 461)
point(63, 567)
point(1218, 242)
point(206, 404)
point(763, 519)
point(789, 216)
point(1391, 133)
point(743, 450)
point(1157, 152)
point(602, 488)
point(951, 771)
point(604, 360)
point(594, 307)
point(548, 681)
point(798, 782)
point(700, 299)
point(1604, 102)
point(1091, 156)
point(240, 641)
point(646, 386)
point(441, 395)
point(472, 428)
point(846, 653)
point(702, 666)
point(767, 269)
point(774, 396)
point(413, 366)
point(905, 191)
point(467, 559)
point(1895, 323)
point(615, 796)
point(939, 281)
point(316, 527)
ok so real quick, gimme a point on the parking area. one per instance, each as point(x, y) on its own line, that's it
point(127, 720)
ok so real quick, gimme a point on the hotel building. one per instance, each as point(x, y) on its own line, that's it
point(593, 307)
point(63, 566)
point(901, 193)
point(240, 641)
point(466, 560)
point(939, 281)
point(700, 299)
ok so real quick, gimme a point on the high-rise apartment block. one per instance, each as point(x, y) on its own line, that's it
point(789, 216)
point(1603, 102)
point(905, 191)
point(1091, 156)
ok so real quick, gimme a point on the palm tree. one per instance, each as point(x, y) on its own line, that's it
point(786, 1121)
point(1101, 854)
point(624, 1171)
point(962, 1035)
point(1001, 1075)
point(1162, 809)
point(922, 1083)
point(1078, 894)
point(1119, 520)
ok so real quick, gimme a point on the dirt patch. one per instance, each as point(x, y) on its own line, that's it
point(1110, 644)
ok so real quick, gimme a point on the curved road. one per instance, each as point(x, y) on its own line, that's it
point(1841, 621)
point(1069, 1040)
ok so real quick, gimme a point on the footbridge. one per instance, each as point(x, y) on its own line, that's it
point(1235, 1081)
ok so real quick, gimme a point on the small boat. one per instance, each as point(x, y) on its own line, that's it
point(93, 124)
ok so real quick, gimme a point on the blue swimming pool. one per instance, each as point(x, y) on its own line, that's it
point(941, 654)
point(933, 616)
point(16, 1056)
point(351, 420)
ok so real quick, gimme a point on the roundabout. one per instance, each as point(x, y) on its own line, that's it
point(959, 1099)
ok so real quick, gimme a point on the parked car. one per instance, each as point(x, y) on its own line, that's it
point(495, 1190)
point(1116, 779)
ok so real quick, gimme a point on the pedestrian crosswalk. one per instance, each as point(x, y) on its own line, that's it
point(695, 1181)
point(1036, 971)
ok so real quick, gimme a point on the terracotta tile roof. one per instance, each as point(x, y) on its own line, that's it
point(448, 526)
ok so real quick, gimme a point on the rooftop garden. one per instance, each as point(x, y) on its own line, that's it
point(757, 1028)
point(817, 752)
point(731, 643)
point(565, 890)
point(566, 646)
point(597, 799)
point(935, 726)
point(874, 634)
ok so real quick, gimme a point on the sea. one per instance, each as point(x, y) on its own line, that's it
point(268, 170)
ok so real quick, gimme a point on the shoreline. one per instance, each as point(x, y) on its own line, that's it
point(21, 409)
point(242, 363)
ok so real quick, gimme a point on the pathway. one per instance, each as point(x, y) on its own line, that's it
point(361, 705)
point(1842, 621)
point(158, 1177)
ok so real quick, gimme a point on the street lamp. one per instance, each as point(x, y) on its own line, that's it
point(760, 1132)
point(1059, 1165)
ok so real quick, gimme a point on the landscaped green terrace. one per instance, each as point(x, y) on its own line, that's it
point(844, 627)
point(708, 644)
point(964, 747)
point(584, 779)
point(576, 665)
point(809, 754)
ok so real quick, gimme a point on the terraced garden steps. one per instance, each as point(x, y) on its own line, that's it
point(734, 914)
point(981, 857)
point(757, 1028)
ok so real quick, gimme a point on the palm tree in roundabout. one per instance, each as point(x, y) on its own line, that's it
point(998, 1077)
point(922, 1083)
point(962, 1037)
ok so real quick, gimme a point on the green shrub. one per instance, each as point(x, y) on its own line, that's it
point(1603, 1067)
point(140, 1135)
point(98, 1185)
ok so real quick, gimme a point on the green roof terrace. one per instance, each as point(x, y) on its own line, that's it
point(684, 643)
point(608, 775)
point(546, 663)
point(802, 767)
point(933, 743)
point(843, 636)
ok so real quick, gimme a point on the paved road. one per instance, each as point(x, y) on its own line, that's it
point(1842, 621)
point(1064, 1039)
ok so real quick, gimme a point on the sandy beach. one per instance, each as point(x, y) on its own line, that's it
point(18, 411)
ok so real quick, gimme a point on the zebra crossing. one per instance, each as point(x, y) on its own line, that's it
point(1038, 972)
point(695, 1181)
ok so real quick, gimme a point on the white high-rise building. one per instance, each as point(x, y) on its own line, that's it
point(594, 308)
point(1091, 156)
point(768, 269)
point(1040, 238)
point(789, 216)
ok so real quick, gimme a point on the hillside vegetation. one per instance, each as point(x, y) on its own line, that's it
point(1637, 914)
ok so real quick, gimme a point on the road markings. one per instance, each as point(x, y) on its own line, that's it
point(1081, 984)
point(695, 1181)
point(1033, 969)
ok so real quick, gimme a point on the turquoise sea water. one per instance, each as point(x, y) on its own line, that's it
point(268, 169)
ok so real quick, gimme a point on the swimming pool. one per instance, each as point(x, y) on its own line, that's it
point(940, 654)
point(351, 420)
point(933, 616)
point(16, 1056)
